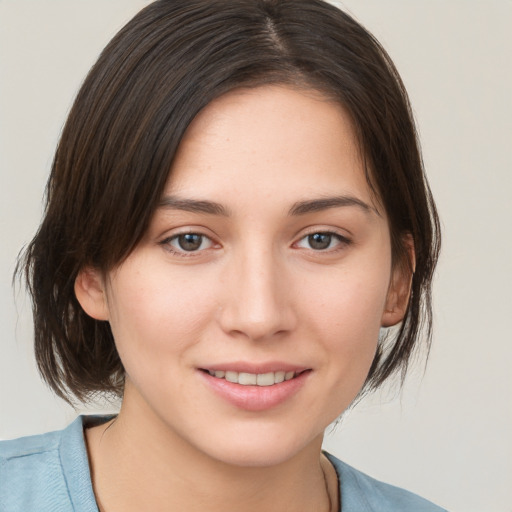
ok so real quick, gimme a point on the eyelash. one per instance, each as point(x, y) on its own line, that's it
point(167, 243)
point(342, 242)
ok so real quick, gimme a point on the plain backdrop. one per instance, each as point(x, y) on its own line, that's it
point(448, 435)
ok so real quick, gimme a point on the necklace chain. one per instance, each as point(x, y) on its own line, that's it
point(330, 499)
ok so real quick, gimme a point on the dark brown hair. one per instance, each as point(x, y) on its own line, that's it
point(129, 117)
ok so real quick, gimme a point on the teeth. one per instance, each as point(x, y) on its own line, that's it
point(289, 375)
point(253, 379)
point(247, 379)
point(232, 377)
point(265, 379)
point(279, 377)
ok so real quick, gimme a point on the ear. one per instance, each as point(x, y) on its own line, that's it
point(91, 294)
point(400, 286)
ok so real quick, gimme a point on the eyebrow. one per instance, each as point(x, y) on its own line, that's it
point(324, 203)
point(193, 205)
point(299, 208)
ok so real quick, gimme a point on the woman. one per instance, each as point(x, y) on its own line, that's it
point(239, 240)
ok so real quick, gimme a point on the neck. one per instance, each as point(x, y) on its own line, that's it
point(138, 463)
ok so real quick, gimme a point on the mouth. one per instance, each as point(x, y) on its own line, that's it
point(256, 388)
point(254, 379)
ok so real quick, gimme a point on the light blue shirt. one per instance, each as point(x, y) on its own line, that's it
point(50, 473)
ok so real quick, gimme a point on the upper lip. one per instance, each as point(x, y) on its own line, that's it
point(256, 368)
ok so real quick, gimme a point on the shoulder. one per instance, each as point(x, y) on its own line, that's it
point(28, 446)
point(360, 492)
point(31, 473)
point(46, 472)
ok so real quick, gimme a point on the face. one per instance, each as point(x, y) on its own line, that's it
point(248, 317)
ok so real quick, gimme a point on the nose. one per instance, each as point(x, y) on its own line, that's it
point(258, 304)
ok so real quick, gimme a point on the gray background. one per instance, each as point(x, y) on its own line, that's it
point(447, 436)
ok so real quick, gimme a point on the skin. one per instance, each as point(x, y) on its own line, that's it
point(255, 291)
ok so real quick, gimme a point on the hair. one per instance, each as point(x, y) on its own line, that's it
point(117, 146)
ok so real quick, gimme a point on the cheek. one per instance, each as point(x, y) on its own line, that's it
point(349, 305)
point(345, 310)
point(342, 312)
point(153, 315)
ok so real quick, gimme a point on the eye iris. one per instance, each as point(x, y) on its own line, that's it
point(190, 241)
point(319, 241)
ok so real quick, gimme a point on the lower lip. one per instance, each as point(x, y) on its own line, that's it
point(255, 398)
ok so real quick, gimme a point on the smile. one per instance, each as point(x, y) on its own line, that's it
point(253, 379)
point(258, 388)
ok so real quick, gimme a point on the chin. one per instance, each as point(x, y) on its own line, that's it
point(261, 446)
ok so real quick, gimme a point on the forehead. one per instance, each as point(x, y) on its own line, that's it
point(256, 141)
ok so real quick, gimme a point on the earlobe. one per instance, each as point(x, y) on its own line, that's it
point(396, 306)
point(399, 291)
point(90, 293)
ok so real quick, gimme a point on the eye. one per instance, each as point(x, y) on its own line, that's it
point(321, 241)
point(188, 242)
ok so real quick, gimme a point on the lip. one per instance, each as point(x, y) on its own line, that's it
point(255, 398)
point(250, 367)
